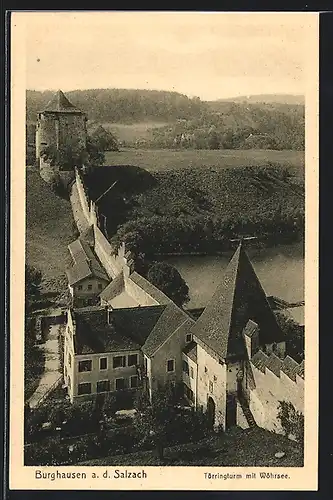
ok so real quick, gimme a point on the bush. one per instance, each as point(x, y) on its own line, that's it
point(292, 421)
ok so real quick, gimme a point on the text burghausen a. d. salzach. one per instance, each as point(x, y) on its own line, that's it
point(107, 474)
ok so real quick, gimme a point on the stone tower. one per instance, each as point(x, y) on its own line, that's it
point(60, 125)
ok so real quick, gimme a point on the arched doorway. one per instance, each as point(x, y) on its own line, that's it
point(211, 412)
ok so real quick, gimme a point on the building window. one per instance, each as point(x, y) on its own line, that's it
point(103, 386)
point(69, 360)
point(100, 286)
point(103, 363)
point(84, 388)
point(134, 382)
point(191, 372)
point(120, 384)
point(188, 337)
point(171, 365)
point(185, 367)
point(89, 287)
point(188, 393)
point(119, 361)
point(85, 366)
point(65, 371)
point(211, 386)
point(206, 369)
point(79, 287)
point(132, 360)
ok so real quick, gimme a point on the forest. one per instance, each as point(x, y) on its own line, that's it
point(198, 210)
point(188, 123)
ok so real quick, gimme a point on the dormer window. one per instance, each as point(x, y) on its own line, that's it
point(188, 338)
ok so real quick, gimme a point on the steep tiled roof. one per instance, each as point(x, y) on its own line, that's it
point(85, 263)
point(274, 364)
point(238, 298)
point(191, 351)
point(170, 320)
point(290, 367)
point(60, 104)
point(150, 289)
point(113, 288)
point(137, 322)
point(127, 329)
point(259, 360)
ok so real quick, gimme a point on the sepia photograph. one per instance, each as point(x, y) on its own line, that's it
point(165, 307)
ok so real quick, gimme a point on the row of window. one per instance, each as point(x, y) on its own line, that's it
point(105, 385)
point(117, 362)
point(90, 287)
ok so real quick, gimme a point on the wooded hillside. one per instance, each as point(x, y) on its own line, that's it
point(191, 123)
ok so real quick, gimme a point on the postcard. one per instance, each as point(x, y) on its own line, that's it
point(164, 251)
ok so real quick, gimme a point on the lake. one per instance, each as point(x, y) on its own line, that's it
point(280, 270)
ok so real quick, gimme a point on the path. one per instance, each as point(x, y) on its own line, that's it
point(52, 369)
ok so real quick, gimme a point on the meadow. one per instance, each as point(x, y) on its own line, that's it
point(163, 159)
point(130, 133)
point(49, 229)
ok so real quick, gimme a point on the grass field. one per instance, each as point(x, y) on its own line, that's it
point(166, 159)
point(240, 448)
point(49, 229)
point(132, 132)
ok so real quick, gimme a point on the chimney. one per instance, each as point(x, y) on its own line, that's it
point(108, 314)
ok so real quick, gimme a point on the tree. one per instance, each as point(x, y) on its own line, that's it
point(33, 279)
point(292, 421)
point(104, 140)
point(154, 419)
point(294, 336)
point(166, 277)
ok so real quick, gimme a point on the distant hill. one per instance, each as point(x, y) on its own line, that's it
point(122, 105)
point(171, 120)
point(269, 99)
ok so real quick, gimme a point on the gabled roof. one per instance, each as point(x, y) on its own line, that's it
point(237, 299)
point(85, 263)
point(127, 330)
point(60, 104)
point(150, 289)
point(113, 288)
point(173, 318)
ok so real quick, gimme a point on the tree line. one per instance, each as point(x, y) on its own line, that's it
point(190, 122)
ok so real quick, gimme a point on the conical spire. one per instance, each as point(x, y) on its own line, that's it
point(237, 299)
point(60, 104)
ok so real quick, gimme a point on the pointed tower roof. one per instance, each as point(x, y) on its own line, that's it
point(60, 104)
point(239, 298)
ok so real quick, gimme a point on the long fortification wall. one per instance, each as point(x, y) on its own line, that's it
point(85, 216)
point(269, 384)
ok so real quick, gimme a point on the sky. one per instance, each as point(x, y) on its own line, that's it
point(209, 55)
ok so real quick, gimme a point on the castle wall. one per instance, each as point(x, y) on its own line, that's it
point(79, 216)
point(83, 198)
point(210, 370)
point(267, 391)
point(112, 264)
